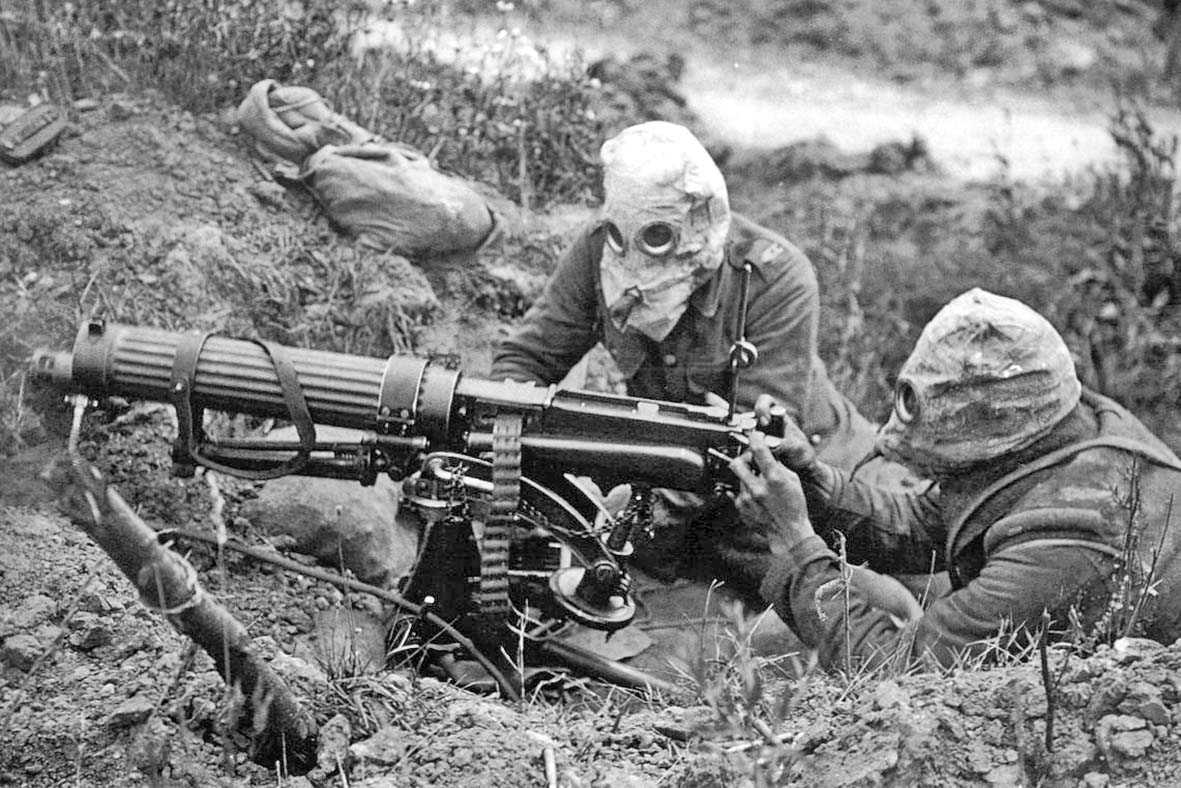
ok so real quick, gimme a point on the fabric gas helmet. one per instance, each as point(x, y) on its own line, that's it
point(988, 376)
point(666, 216)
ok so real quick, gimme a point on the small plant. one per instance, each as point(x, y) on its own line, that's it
point(202, 54)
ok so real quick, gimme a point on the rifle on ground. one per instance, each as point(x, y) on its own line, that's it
point(489, 466)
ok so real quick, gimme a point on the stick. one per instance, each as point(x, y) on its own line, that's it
point(1046, 681)
point(349, 584)
point(279, 728)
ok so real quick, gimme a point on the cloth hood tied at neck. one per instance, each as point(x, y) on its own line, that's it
point(666, 216)
point(988, 376)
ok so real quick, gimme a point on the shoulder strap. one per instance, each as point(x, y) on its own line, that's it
point(1129, 445)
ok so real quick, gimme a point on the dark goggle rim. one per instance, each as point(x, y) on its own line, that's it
point(618, 244)
point(907, 404)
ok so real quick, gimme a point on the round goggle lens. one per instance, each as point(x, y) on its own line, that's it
point(906, 402)
point(614, 238)
point(657, 239)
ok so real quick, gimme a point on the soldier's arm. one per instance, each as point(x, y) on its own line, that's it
point(1020, 580)
point(560, 327)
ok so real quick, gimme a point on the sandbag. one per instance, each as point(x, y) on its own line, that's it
point(391, 198)
point(291, 122)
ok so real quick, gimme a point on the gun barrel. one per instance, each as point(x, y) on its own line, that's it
point(665, 444)
point(238, 375)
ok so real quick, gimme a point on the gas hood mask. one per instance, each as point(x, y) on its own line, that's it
point(666, 216)
point(989, 376)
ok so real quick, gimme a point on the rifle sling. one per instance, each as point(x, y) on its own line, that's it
point(186, 450)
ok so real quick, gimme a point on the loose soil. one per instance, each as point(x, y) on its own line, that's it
point(157, 216)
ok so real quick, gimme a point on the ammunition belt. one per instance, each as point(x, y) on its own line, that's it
point(493, 598)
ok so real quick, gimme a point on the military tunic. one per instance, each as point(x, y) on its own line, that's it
point(1057, 526)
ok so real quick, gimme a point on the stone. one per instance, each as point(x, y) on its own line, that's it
point(887, 695)
point(342, 524)
point(269, 193)
point(332, 751)
point(385, 748)
point(1144, 700)
point(92, 636)
point(1123, 734)
point(1128, 650)
point(93, 602)
point(289, 666)
point(20, 651)
point(119, 110)
point(131, 711)
point(1069, 57)
point(86, 105)
point(1132, 744)
point(1094, 780)
point(1009, 774)
point(35, 610)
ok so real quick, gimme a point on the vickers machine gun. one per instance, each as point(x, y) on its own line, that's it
point(487, 465)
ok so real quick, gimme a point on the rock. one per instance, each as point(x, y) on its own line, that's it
point(1123, 734)
point(1009, 774)
point(1128, 650)
point(386, 747)
point(339, 522)
point(482, 713)
point(1144, 700)
point(101, 604)
point(887, 695)
point(1070, 57)
point(85, 105)
point(119, 110)
point(289, 666)
point(132, 711)
point(1132, 744)
point(1094, 780)
point(36, 610)
point(269, 193)
point(20, 651)
point(332, 751)
point(92, 636)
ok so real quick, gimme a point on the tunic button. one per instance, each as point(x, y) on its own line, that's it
point(670, 360)
point(814, 438)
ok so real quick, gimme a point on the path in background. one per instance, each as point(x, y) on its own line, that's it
point(759, 107)
point(765, 100)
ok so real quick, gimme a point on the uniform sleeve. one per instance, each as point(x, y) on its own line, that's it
point(893, 529)
point(782, 321)
point(808, 589)
point(560, 327)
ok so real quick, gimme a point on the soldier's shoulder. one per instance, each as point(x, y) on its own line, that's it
point(771, 253)
point(587, 248)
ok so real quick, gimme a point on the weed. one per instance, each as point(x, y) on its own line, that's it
point(202, 54)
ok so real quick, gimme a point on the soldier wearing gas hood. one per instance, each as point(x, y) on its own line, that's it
point(656, 279)
point(1049, 498)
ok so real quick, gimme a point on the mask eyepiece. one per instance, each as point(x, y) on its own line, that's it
point(656, 239)
point(906, 402)
point(614, 239)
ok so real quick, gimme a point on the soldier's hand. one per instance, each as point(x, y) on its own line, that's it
point(795, 449)
point(771, 500)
